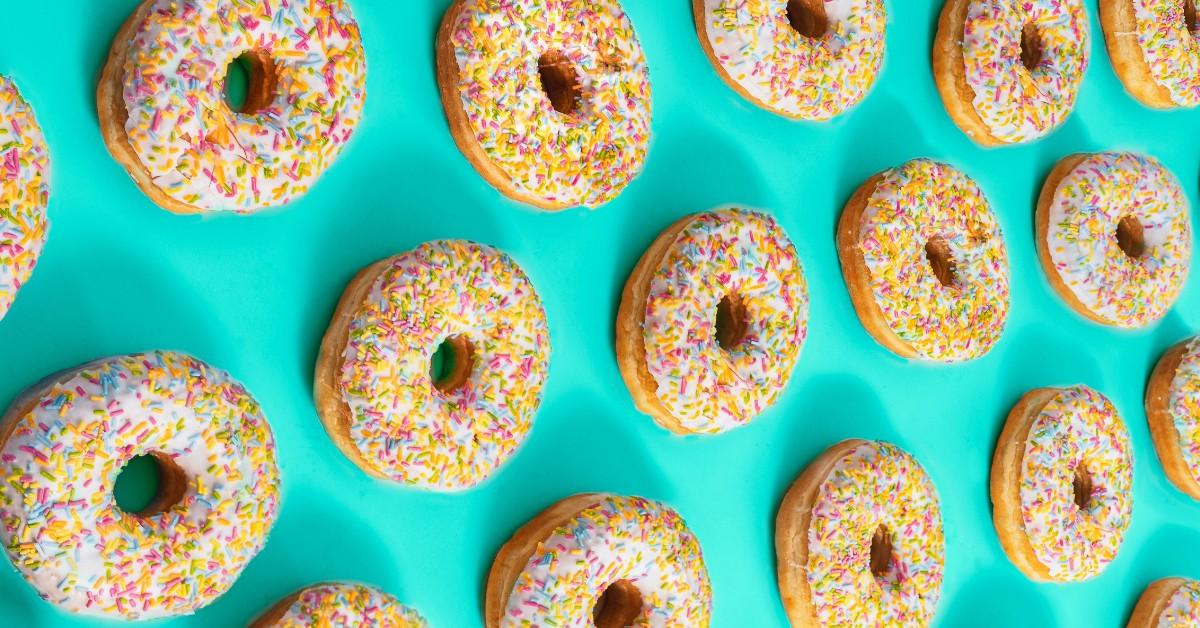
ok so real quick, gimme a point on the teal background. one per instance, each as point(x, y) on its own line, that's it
point(253, 295)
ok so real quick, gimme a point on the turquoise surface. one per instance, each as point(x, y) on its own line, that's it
point(253, 295)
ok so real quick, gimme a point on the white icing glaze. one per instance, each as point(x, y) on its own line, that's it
point(203, 154)
point(1170, 50)
point(1184, 406)
point(24, 192)
point(1183, 609)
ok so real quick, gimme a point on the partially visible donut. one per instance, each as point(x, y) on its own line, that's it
point(603, 560)
point(339, 605)
point(67, 438)
point(1173, 411)
point(1154, 50)
point(1114, 236)
point(712, 320)
point(809, 59)
point(859, 539)
point(376, 394)
point(165, 118)
point(549, 100)
point(1009, 71)
point(925, 262)
point(24, 192)
point(1168, 603)
point(1061, 484)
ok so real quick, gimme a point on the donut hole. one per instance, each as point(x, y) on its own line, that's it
point(1131, 237)
point(560, 82)
point(619, 604)
point(149, 485)
point(450, 365)
point(808, 18)
point(733, 323)
point(941, 261)
point(1032, 48)
point(1081, 488)
point(1189, 15)
point(881, 553)
point(250, 82)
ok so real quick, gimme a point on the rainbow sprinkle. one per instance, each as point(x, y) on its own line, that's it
point(1170, 50)
point(62, 527)
point(617, 538)
point(24, 192)
point(727, 252)
point(1183, 609)
point(1184, 406)
point(789, 73)
point(344, 605)
point(1084, 213)
point(585, 158)
point(201, 153)
point(1077, 430)
point(403, 426)
point(912, 204)
point(875, 485)
point(1014, 103)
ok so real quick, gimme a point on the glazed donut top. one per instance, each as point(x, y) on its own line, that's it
point(1015, 104)
point(583, 158)
point(1084, 215)
point(876, 485)
point(728, 252)
point(201, 153)
point(1183, 609)
point(618, 538)
point(790, 73)
point(24, 192)
point(345, 605)
point(61, 525)
point(1077, 431)
point(1170, 50)
point(403, 426)
point(916, 203)
point(1184, 406)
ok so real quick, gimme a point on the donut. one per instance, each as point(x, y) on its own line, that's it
point(925, 262)
point(376, 394)
point(1173, 411)
point(1061, 484)
point(165, 118)
point(807, 59)
point(1008, 71)
point(1168, 603)
point(859, 540)
point(712, 320)
point(341, 605)
point(603, 560)
point(549, 100)
point(65, 441)
point(1153, 50)
point(1114, 237)
point(24, 192)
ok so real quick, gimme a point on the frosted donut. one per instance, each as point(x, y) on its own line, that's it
point(1168, 603)
point(1061, 484)
point(66, 440)
point(859, 540)
point(1153, 50)
point(376, 394)
point(602, 560)
point(1114, 237)
point(925, 262)
point(339, 605)
point(548, 99)
point(1173, 411)
point(1008, 71)
point(164, 115)
point(712, 320)
point(810, 59)
point(24, 192)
